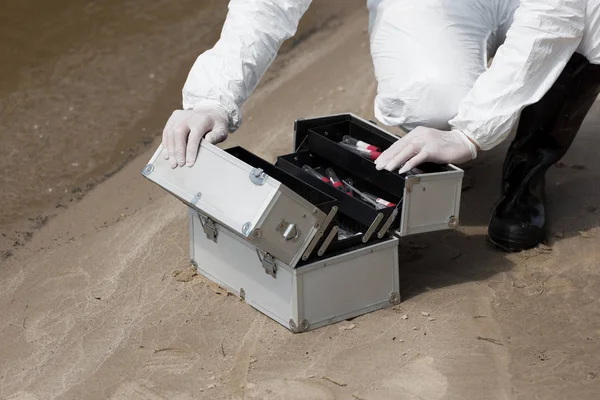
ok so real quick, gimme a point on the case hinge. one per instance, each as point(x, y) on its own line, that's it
point(268, 263)
point(209, 227)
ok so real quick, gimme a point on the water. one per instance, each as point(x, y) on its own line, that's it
point(84, 85)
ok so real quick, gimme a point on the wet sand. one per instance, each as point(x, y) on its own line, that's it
point(92, 309)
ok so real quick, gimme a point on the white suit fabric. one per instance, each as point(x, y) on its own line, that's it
point(430, 58)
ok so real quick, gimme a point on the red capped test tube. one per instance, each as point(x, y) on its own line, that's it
point(336, 182)
point(316, 174)
point(370, 154)
point(378, 200)
point(359, 143)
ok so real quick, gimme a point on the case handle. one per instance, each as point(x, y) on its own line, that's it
point(288, 230)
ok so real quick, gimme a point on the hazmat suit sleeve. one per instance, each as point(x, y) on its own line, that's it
point(227, 74)
point(543, 37)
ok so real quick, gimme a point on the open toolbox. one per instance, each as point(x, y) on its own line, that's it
point(312, 239)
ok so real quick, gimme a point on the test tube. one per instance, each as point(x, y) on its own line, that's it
point(365, 198)
point(359, 143)
point(370, 154)
point(379, 200)
point(347, 188)
point(335, 181)
point(346, 234)
point(315, 174)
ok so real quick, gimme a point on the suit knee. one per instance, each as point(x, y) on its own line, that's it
point(431, 102)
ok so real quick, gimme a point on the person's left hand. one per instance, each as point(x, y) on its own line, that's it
point(427, 144)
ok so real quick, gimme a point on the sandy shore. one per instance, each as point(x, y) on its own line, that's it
point(91, 309)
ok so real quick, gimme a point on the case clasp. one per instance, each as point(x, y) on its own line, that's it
point(209, 227)
point(268, 263)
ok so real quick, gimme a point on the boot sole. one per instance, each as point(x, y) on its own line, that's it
point(515, 240)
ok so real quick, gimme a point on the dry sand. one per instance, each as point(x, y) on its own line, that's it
point(91, 308)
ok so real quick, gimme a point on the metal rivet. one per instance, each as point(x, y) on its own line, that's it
point(257, 233)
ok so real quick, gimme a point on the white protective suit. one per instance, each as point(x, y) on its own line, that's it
point(430, 58)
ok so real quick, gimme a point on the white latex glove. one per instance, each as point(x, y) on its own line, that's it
point(427, 144)
point(186, 128)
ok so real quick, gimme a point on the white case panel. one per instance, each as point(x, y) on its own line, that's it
point(431, 202)
point(307, 297)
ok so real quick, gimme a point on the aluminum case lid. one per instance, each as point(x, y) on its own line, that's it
point(244, 199)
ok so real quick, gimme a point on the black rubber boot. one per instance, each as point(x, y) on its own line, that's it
point(545, 133)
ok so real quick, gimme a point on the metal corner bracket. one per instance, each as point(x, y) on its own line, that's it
point(394, 298)
point(148, 170)
point(410, 182)
point(304, 325)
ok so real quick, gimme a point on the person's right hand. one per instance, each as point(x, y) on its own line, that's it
point(186, 128)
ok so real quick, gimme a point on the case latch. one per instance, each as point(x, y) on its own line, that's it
point(258, 176)
point(268, 263)
point(209, 227)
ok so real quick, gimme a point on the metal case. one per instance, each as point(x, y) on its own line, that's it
point(269, 232)
point(304, 298)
